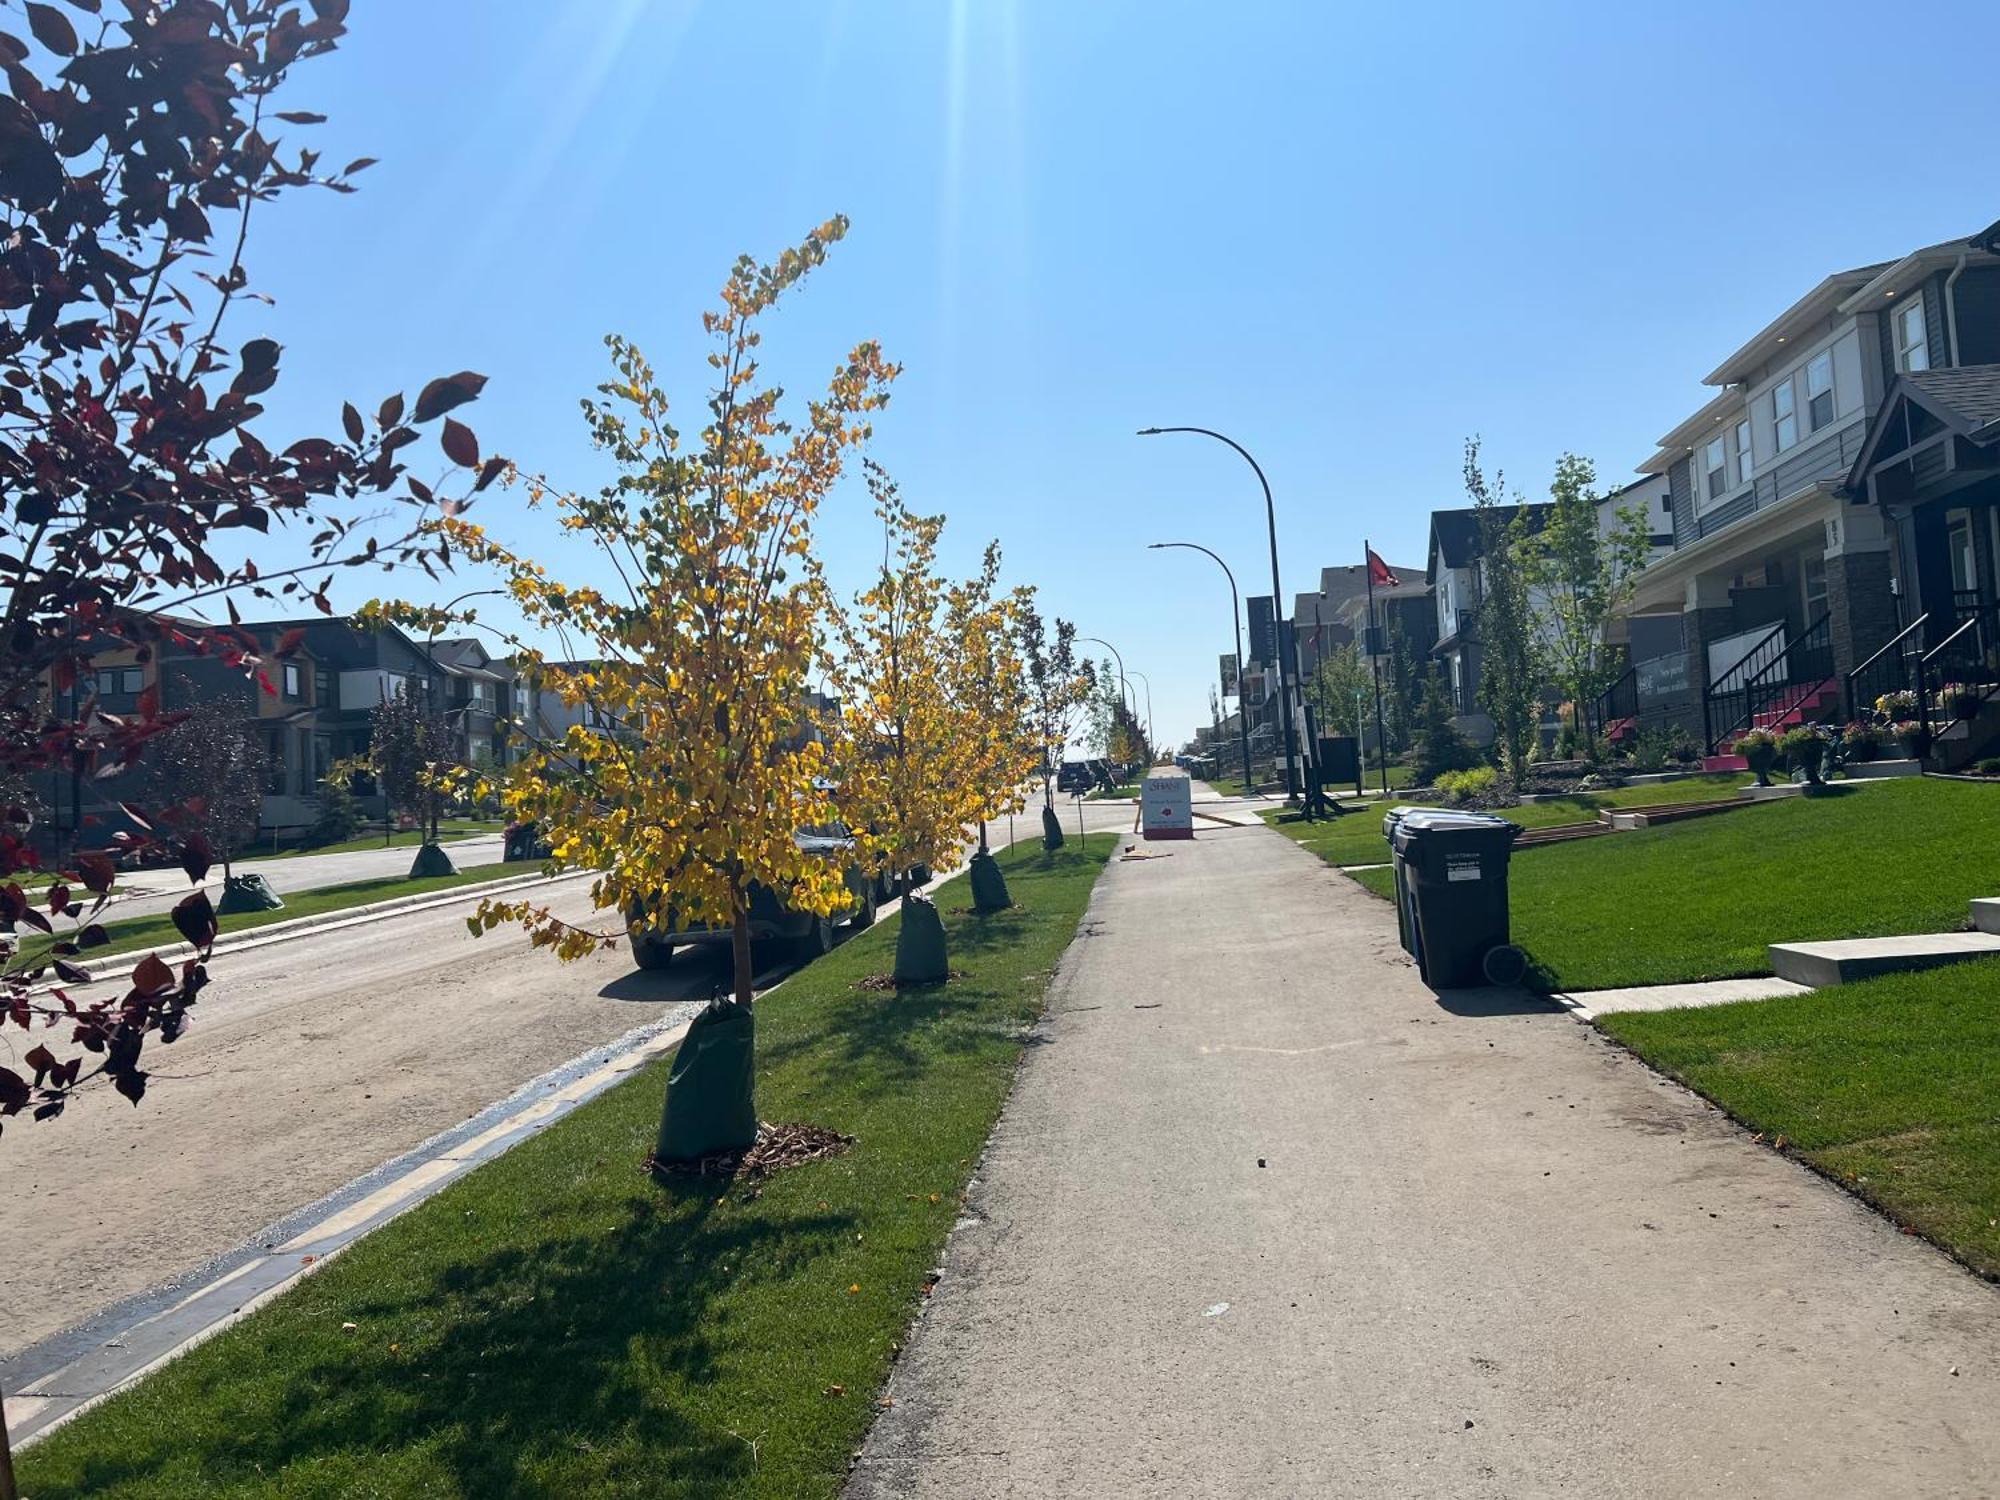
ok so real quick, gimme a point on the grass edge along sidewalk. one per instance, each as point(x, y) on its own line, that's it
point(556, 1323)
point(1886, 1087)
point(1704, 899)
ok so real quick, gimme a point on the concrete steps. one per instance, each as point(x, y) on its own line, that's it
point(1819, 965)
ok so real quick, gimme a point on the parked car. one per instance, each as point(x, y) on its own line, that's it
point(772, 919)
point(1078, 776)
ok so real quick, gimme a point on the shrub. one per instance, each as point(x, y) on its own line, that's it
point(1653, 748)
point(1440, 746)
point(1760, 752)
point(340, 816)
point(1682, 747)
point(1989, 766)
point(1464, 787)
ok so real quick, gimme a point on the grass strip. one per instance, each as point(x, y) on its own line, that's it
point(450, 829)
point(1888, 1086)
point(152, 931)
point(555, 1323)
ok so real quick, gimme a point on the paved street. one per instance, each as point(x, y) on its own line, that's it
point(310, 1063)
point(1266, 1217)
point(157, 890)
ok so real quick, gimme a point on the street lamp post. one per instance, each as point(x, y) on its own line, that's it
point(1150, 741)
point(1286, 683)
point(1236, 623)
point(1123, 684)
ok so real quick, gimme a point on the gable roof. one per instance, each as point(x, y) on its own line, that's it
point(1966, 399)
point(1455, 533)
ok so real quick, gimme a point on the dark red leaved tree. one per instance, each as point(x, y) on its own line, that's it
point(135, 146)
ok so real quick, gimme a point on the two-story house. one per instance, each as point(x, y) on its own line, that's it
point(1455, 572)
point(1786, 573)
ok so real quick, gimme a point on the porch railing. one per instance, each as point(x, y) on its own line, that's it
point(1893, 669)
point(1616, 705)
point(1966, 661)
point(1791, 684)
point(1720, 696)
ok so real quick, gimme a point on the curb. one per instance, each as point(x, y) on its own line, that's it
point(347, 916)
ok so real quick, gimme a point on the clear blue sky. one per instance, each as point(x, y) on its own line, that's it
point(1348, 236)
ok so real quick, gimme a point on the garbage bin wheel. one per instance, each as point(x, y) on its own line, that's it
point(1504, 964)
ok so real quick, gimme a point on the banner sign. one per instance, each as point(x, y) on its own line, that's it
point(1662, 677)
point(1229, 669)
point(1263, 629)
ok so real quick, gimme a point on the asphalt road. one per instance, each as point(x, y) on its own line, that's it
point(149, 891)
point(311, 1062)
point(1264, 1216)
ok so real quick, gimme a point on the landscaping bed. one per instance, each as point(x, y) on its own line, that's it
point(1888, 1086)
point(557, 1323)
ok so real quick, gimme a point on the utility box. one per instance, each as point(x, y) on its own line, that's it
point(1166, 807)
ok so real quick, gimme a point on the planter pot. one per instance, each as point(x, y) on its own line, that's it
point(243, 893)
point(989, 885)
point(1052, 834)
point(920, 949)
point(431, 860)
point(710, 1106)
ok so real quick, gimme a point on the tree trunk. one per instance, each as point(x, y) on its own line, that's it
point(982, 836)
point(739, 952)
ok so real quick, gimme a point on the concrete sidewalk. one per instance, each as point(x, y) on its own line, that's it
point(1264, 1216)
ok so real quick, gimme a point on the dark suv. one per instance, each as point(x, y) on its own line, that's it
point(772, 919)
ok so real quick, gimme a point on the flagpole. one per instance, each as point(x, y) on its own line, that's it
point(1375, 665)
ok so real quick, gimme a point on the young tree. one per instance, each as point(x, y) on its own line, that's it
point(909, 758)
point(135, 155)
point(410, 752)
point(205, 778)
point(1511, 666)
point(1439, 746)
point(989, 692)
point(1582, 577)
point(702, 655)
point(1059, 684)
point(1339, 682)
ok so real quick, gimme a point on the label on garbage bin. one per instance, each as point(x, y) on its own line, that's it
point(1461, 867)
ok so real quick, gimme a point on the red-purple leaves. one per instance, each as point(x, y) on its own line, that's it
point(196, 857)
point(447, 393)
point(52, 29)
point(96, 871)
point(460, 446)
point(194, 919)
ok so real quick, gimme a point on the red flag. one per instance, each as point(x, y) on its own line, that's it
point(1378, 571)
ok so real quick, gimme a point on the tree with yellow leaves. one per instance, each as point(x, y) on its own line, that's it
point(1059, 683)
point(906, 773)
point(989, 694)
point(699, 660)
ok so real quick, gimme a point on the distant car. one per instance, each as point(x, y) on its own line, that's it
point(772, 920)
point(1075, 777)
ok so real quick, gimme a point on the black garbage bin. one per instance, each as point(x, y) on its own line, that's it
point(1454, 868)
point(1390, 821)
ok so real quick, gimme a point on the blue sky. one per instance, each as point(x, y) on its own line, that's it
point(1347, 236)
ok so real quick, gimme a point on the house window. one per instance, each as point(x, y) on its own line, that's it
point(1746, 459)
point(1814, 577)
point(322, 757)
point(274, 782)
point(323, 688)
point(1913, 346)
point(1784, 416)
point(1819, 391)
point(292, 681)
point(1717, 469)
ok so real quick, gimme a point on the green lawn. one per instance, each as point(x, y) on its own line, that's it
point(449, 829)
point(1888, 1085)
point(150, 932)
point(1129, 790)
point(1701, 900)
point(555, 1324)
point(1357, 839)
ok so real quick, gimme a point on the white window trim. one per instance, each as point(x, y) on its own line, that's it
point(1725, 433)
point(1896, 332)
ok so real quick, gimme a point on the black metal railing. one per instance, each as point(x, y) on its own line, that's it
point(1718, 698)
point(1616, 705)
point(1791, 685)
point(1962, 670)
point(1893, 669)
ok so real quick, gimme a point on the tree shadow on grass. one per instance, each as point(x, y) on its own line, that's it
point(551, 1358)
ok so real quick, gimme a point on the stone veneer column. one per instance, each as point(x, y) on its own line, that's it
point(1860, 607)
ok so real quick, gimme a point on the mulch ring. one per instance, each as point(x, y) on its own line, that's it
point(777, 1147)
point(994, 911)
point(885, 984)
